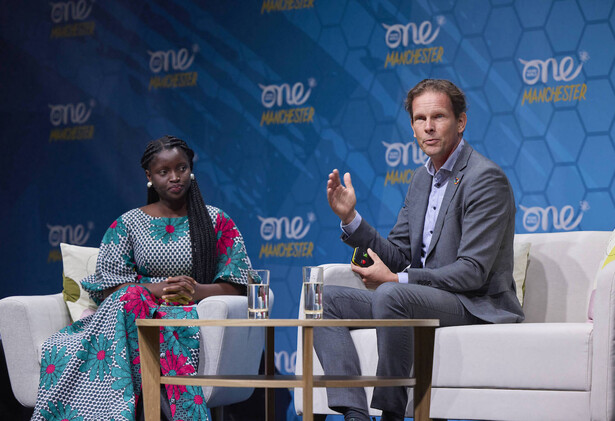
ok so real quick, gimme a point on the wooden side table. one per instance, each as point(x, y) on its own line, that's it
point(149, 346)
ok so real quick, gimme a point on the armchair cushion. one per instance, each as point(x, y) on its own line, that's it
point(78, 262)
point(506, 356)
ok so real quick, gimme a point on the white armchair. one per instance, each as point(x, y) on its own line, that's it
point(554, 366)
point(26, 321)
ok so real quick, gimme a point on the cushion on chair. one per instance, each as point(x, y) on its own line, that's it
point(609, 256)
point(521, 255)
point(542, 356)
point(78, 262)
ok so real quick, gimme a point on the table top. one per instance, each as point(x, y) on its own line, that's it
point(365, 323)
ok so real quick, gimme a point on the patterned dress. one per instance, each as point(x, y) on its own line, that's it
point(90, 370)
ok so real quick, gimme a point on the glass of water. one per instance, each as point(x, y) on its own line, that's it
point(312, 292)
point(258, 294)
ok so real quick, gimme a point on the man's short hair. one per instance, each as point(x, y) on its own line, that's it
point(458, 99)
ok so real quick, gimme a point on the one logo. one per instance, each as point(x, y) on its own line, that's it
point(543, 71)
point(71, 234)
point(180, 60)
point(287, 95)
point(173, 63)
point(536, 217)
point(65, 11)
point(63, 114)
point(398, 153)
point(284, 228)
point(277, 95)
point(422, 34)
point(539, 70)
point(69, 17)
point(293, 229)
point(69, 121)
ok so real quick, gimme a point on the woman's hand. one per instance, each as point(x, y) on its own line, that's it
point(178, 289)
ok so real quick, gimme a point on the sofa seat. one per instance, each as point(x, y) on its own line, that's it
point(535, 356)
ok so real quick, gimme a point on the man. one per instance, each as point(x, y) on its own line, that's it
point(449, 255)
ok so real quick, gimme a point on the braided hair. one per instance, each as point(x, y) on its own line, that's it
point(202, 233)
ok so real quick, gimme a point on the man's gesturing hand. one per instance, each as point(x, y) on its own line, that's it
point(342, 199)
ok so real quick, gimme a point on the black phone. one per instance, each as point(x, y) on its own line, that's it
point(361, 258)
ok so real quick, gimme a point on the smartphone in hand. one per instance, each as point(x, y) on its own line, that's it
point(361, 258)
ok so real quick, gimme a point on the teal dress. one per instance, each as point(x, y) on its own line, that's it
point(90, 370)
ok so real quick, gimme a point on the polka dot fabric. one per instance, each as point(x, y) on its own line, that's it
point(90, 370)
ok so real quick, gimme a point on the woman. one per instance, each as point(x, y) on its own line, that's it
point(153, 260)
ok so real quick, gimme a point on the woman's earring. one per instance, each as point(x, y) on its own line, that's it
point(191, 176)
point(149, 184)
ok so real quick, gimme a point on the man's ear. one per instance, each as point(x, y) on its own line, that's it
point(461, 122)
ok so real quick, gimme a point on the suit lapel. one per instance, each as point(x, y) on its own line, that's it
point(451, 189)
point(422, 187)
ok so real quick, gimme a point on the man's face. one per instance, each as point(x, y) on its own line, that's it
point(435, 127)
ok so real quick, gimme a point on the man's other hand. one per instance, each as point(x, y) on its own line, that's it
point(376, 274)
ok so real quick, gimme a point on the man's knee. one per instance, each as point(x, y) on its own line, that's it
point(330, 296)
point(393, 300)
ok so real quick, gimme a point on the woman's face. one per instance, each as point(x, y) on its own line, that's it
point(169, 172)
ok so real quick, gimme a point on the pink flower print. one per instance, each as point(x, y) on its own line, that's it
point(175, 365)
point(138, 300)
point(226, 231)
point(163, 331)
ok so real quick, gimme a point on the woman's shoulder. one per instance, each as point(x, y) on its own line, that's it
point(218, 215)
point(213, 211)
point(132, 216)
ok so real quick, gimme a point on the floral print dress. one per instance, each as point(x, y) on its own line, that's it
point(90, 370)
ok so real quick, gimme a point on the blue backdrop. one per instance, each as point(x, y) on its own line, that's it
point(274, 94)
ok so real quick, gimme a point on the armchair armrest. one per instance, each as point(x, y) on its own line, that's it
point(341, 274)
point(25, 323)
point(603, 365)
point(229, 350)
point(335, 274)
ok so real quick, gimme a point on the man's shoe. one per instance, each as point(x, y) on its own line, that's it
point(389, 416)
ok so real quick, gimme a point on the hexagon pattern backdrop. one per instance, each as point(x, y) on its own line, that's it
point(273, 95)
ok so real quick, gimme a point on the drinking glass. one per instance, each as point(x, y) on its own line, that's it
point(258, 294)
point(312, 292)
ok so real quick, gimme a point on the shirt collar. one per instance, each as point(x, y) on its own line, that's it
point(450, 162)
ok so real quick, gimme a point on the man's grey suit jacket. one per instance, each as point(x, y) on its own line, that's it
point(471, 251)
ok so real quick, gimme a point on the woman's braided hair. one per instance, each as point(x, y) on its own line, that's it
point(202, 232)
